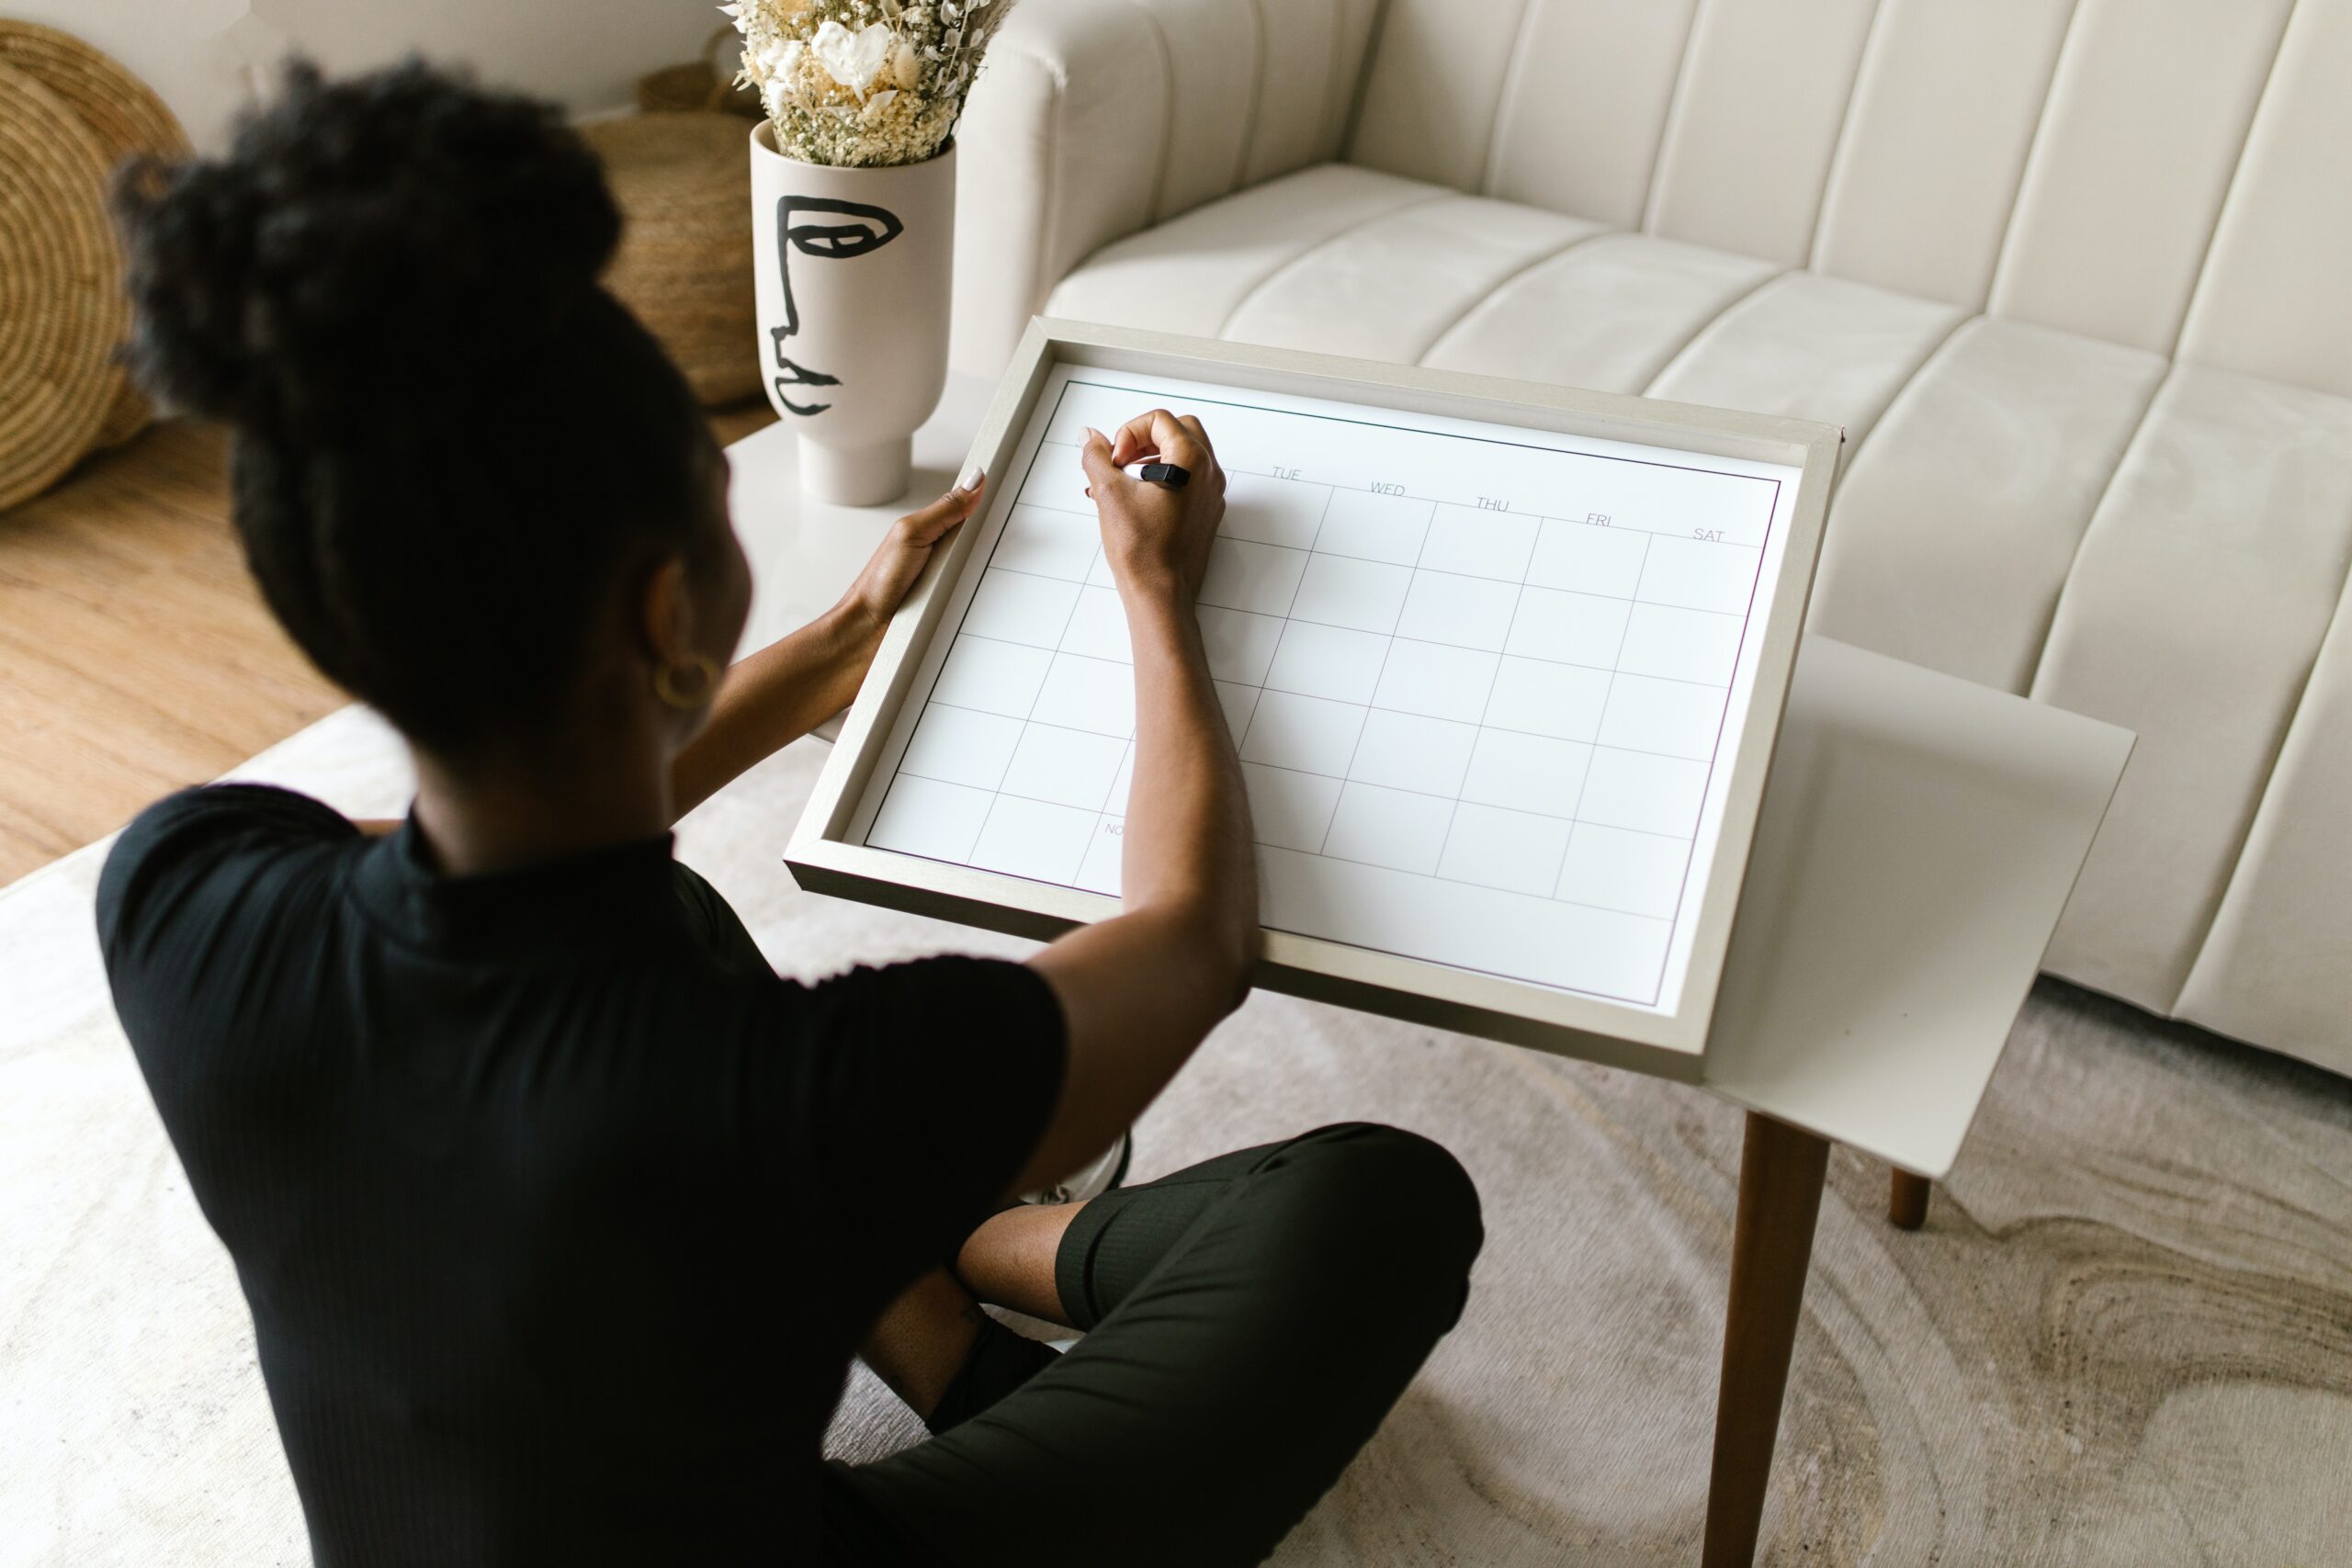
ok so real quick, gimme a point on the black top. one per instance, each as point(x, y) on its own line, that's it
point(559, 1214)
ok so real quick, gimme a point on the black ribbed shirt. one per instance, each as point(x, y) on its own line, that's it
point(559, 1214)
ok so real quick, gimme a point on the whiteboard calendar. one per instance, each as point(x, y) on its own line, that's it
point(1487, 682)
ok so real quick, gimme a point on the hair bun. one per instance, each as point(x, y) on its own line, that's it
point(362, 239)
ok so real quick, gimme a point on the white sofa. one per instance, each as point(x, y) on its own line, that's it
point(2074, 275)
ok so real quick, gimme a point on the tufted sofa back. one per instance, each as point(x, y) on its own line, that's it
point(2163, 174)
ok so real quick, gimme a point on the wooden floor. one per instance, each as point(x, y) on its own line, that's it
point(139, 656)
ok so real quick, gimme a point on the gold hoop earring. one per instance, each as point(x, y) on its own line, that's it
point(704, 670)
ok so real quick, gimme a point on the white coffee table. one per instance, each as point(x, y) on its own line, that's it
point(1918, 841)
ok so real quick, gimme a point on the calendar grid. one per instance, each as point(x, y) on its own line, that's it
point(1000, 793)
point(1530, 658)
point(1304, 773)
point(1388, 647)
point(1518, 598)
point(1434, 501)
point(1433, 876)
point(1307, 640)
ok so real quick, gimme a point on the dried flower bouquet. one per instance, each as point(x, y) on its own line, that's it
point(863, 82)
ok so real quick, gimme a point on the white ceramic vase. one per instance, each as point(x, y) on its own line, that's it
point(853, 268)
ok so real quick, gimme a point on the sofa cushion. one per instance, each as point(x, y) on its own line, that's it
point(1615, 309)
point(1957, 520)
point(1391, 287)
point(2205, 584)
point(1190, 275)
point(1812, 346)
point(2272, 966)
point(2160, 545)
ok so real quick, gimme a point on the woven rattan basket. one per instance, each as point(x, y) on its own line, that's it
point(684, 185)
point(127, 119)
point(60, 306)
point(699, 85)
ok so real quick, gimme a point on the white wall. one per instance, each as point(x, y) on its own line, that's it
point(204, 56)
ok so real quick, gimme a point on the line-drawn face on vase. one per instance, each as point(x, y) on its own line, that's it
point(868, 228)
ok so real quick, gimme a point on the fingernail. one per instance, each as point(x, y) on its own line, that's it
point(971, 479)
point(1093, 434)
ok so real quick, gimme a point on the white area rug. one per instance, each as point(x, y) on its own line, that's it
point(2124, 1338)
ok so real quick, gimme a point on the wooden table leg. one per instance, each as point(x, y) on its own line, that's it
point(1781, 1172)
point(1906, 1199)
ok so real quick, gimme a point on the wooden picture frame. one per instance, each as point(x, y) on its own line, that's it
point(823, 858)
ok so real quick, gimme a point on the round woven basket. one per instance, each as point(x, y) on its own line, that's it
point(685, 267)
point(61, 310)
point(127, 119)
point(705, 84)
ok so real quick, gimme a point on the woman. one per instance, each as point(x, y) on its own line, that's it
point(561, 1214)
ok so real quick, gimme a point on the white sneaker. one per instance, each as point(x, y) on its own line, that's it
point(1092, 1179)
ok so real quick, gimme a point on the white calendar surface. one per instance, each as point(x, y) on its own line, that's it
point(1486, 682)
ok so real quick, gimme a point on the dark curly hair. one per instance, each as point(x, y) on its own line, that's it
point(451, 444)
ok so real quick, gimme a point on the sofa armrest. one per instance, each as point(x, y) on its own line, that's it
point(1095, 118)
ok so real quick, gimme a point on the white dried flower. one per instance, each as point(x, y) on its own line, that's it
point(853, 58)
point(863, 82)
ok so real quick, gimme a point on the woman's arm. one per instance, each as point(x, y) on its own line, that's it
point(786, 689)
point(1140, 991)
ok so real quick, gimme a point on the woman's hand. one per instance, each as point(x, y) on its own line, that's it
point(797, 682)
point(1156, 540)
point(875, 597)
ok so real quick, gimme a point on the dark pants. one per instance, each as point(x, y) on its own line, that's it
point(1249, 1321)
